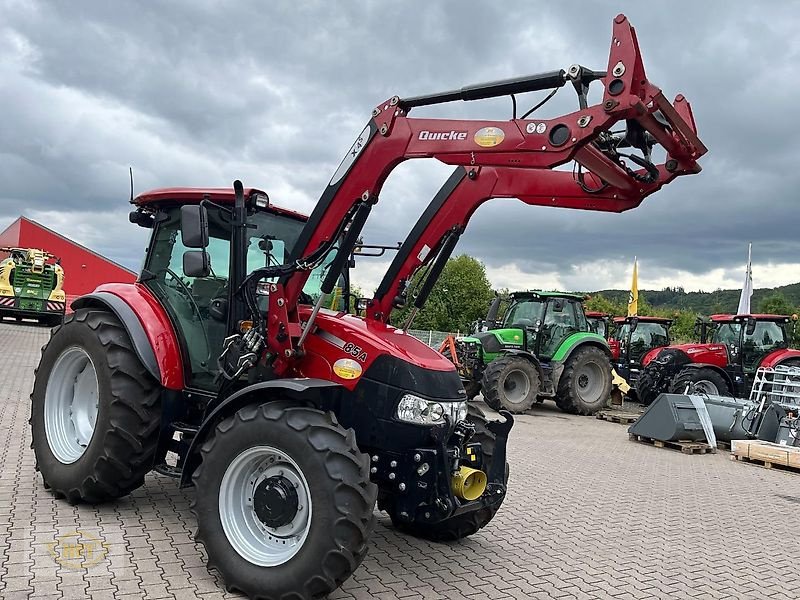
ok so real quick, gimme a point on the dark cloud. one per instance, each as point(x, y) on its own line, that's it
point(201, 93)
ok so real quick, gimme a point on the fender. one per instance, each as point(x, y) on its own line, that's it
point(580, 340)
point(780, 357)
point(299, 390)
point(148, 326)
point(715, 368)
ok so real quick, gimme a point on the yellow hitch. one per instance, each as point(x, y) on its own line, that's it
point(469, 484)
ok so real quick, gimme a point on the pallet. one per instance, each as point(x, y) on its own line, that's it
point(723, 445)
point(766, 454)
point(685, 446)
point(623, 418)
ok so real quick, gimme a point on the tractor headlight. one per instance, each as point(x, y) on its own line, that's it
point(413, 409)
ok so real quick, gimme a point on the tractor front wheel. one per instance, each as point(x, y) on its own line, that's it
point(510, 383)
point(283, 501)
point(95, 411)
point(699, 381)
point(460, 526)
point(585, 384)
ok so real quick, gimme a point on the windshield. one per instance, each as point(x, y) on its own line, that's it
point(726, 333)
point(524, 313)
point(597, 325)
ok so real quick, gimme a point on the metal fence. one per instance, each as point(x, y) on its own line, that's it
point(434, 339)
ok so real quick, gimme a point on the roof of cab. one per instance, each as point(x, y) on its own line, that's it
point(643, 319)
point(185, 195)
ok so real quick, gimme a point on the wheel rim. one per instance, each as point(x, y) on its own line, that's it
point(71, 405)
point(516, 386)
point(589, 382)
point(242, 509)
point(704, 386)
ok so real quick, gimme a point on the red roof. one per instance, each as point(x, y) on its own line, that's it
point(593, 314)
point(182, 195)
point(757, 316)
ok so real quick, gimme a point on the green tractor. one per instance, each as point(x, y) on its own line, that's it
point(31, 283)
point(542, 348)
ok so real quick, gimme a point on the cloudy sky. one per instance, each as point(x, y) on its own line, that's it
point(201, 92)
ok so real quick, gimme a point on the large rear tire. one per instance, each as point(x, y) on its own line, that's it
point(585, 384)
point(510, 383)
point(460, 526)
point(699, 381)
point(283, 501)
point(95, 412)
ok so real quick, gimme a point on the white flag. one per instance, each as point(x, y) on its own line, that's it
point(747, 288)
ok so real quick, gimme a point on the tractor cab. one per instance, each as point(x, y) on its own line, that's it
point(632, 339)
point(195, 295)
point(748, 339)
point(599, 323)
point(544, 320)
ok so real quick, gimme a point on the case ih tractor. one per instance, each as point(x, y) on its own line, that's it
point(221, 367)
point(542, 349)
point(632, 339)
point(31, 283)
point(726, 366)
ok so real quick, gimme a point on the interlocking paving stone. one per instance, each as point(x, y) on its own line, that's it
point(589, 515)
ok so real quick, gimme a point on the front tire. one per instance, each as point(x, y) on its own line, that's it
point(460, 526)
point(585, 384)
point(95, 410)
point(699, 381)
point(284, 503)
point(510, 383)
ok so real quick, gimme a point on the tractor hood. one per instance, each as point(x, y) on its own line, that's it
point(357, 337)
point(712, 354)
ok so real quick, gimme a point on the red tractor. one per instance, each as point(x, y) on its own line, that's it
point(599, 323)
point(725, 366)
point(632, 339)
point(222, 367)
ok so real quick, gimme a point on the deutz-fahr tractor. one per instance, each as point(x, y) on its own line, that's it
point(633, 337)
point(221, 367)
point(543, 349)
point(725, 366)
point(31, 282)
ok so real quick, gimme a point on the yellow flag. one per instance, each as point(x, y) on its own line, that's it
point(633, 298)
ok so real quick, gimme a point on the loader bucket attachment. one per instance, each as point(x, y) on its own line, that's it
point(670, 418)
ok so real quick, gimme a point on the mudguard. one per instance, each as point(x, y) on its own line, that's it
point(300, 390)
point(148, 326)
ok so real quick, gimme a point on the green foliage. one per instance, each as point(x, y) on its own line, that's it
point(460, 296)
point(776, 304)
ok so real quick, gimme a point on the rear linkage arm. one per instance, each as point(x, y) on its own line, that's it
point(391, 137)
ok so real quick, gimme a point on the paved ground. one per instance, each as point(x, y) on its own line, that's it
point(589, 515)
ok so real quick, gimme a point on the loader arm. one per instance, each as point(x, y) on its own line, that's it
point(454, 204)
point(540, 145)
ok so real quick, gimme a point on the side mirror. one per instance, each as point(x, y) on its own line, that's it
point(194, 226)
point(634, 323)
point(196, 263)
point(750, 328)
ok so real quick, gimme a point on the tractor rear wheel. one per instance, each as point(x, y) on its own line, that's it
point(283, 501)
point(466, 524)
point(585, 384)
point(510, 383)
point(95, 411)
point(699, 381)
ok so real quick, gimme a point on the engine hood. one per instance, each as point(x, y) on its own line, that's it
point(358, 336)
point(713, 354)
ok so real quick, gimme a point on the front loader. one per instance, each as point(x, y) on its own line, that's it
point(221, 367)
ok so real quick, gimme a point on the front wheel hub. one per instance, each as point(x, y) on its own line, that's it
point(275, 501)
